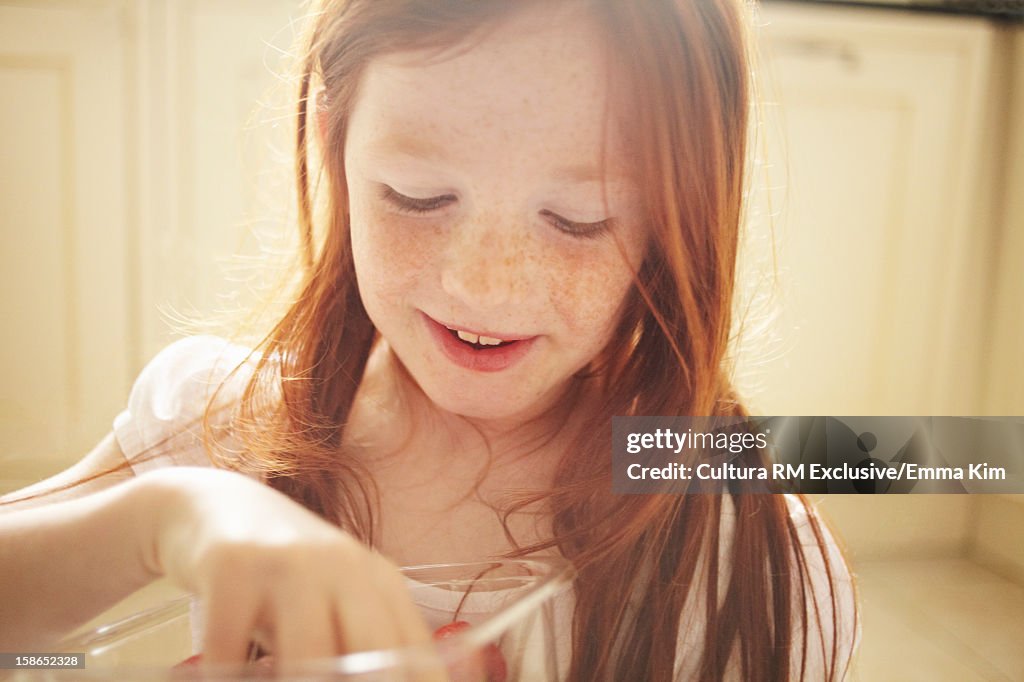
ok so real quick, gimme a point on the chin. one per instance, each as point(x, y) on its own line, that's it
point(484, 398)
point(487, 406)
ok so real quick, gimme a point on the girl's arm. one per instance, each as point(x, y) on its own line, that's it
point(264, 566)
point(68, 548)
point(67, 561)
point(105, 461)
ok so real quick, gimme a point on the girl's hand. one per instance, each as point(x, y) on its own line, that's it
point(268, 568)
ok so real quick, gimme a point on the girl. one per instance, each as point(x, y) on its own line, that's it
point(531, 216)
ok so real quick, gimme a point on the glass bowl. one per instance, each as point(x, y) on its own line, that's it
point(506, 613)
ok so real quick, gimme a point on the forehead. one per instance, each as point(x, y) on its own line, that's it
point(533, 89)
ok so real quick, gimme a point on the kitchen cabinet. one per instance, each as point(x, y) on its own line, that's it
point(882, 178)
point(66, 250)
point(136, 135)
point(890, 164)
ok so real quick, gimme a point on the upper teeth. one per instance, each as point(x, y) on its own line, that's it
point(474, 338)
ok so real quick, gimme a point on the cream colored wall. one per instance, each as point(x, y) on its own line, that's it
point(901, 526)
point(997, 540)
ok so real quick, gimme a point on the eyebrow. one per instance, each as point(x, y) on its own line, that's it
point(585, 173)
point(421, 148)
point(405, 145)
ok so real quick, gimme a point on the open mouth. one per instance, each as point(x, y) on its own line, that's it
point(478, 342)
point(480, 352)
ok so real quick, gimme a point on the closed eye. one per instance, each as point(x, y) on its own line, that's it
point(413, 205)
point(585, 230)
point(417, 206)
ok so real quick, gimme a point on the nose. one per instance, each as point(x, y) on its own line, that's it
point(485, 263)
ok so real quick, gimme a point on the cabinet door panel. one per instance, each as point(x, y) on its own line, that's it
point(64, 353)
point(880, 121)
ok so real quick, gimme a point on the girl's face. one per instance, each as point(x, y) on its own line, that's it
point(490, 195)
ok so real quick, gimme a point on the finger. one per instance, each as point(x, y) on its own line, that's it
point(232, 611)
point(407, 616)
point(369, 622)
point(304, 626)
point(410, 626)
point(364, 621)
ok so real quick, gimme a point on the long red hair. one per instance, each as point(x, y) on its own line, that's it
point(685, 91)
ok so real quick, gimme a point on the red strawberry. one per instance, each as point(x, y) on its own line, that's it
point(190, 661)
point(494, 667)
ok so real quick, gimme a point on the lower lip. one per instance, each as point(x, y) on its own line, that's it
point(494, 359)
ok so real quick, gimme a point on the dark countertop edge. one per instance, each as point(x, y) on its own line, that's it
point(1015, 16)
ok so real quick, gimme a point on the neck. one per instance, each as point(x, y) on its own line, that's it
point(393, 418)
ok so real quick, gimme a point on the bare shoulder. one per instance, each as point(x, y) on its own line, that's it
point(104, 466)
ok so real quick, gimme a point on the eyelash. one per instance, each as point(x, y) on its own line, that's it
point(412, 205)
point(422, 206)
point(581, 230)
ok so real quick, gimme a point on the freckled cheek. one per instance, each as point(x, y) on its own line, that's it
point(588, 293)
point(392, 257)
